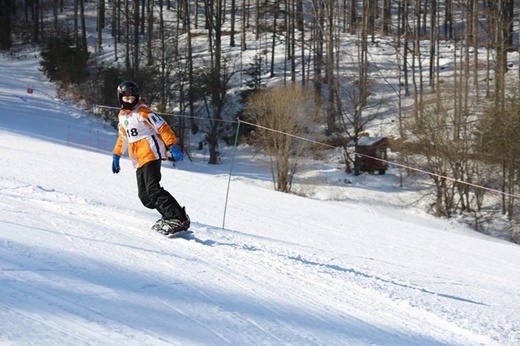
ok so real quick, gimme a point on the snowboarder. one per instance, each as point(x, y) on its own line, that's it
point(148, 137)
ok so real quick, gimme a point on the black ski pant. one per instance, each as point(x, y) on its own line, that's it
point(153, 196)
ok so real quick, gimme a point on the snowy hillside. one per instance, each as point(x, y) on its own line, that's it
point(79, 264)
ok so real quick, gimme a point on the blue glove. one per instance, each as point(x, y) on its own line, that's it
point(176, 153)
point(115, 163)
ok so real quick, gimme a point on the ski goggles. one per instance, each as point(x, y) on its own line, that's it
point(128, 91)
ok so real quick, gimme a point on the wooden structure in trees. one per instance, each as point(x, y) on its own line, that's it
point(371, 155)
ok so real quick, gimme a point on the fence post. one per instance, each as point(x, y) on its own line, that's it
point(230, 173)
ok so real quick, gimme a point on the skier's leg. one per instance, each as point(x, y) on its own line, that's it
point(163, 201)
point(142, 189)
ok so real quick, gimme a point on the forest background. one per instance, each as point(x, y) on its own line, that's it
point(439, 78)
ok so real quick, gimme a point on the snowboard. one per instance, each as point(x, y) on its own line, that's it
point(183, 233)
point(186, 234)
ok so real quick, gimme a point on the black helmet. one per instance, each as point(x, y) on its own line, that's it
point(127, 88)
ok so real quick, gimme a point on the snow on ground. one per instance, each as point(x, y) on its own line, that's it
point(79, 264)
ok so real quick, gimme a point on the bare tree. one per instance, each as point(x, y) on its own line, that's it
point(434, 144)
point(276, 13)
point(498, 142)
point(116, 25)
point(330, 39)
point(283, 115)
point(448, 19)
point(433, 43)
point(404, 11)
point(100, 20)
point(135, 66)
point(387, 18)
point(149, 30)
point(318, 44)
point(353, 14)
point(37, 32)
point(126, 14)
point(218, 75)
point(191, 86)
point(245, 17)
point(6, 11)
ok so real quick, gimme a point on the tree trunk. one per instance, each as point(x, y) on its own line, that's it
point(273, 40)
point(136, 38)
point(127, 35)
point(245, 15)
point(116, 25)
point(233, 15)
point(100, 22)
point(5, 24)
point(387, 18)
point(433, 42)
point(405, 47)
point(318, 19)
point(83, 42)
point(353, 17)
point(149, 36)
point(332, 113)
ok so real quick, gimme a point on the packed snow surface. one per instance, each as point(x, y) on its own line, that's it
point(79, 264)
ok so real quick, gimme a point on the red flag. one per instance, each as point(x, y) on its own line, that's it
point(29, 91)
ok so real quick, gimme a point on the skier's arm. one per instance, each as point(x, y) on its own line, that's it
point(121, 143)
point(161, 127)
point(167, 135)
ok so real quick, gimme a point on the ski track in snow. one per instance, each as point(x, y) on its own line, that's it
point(304, 273)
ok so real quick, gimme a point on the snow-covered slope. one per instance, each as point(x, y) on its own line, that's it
point(79, 264)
